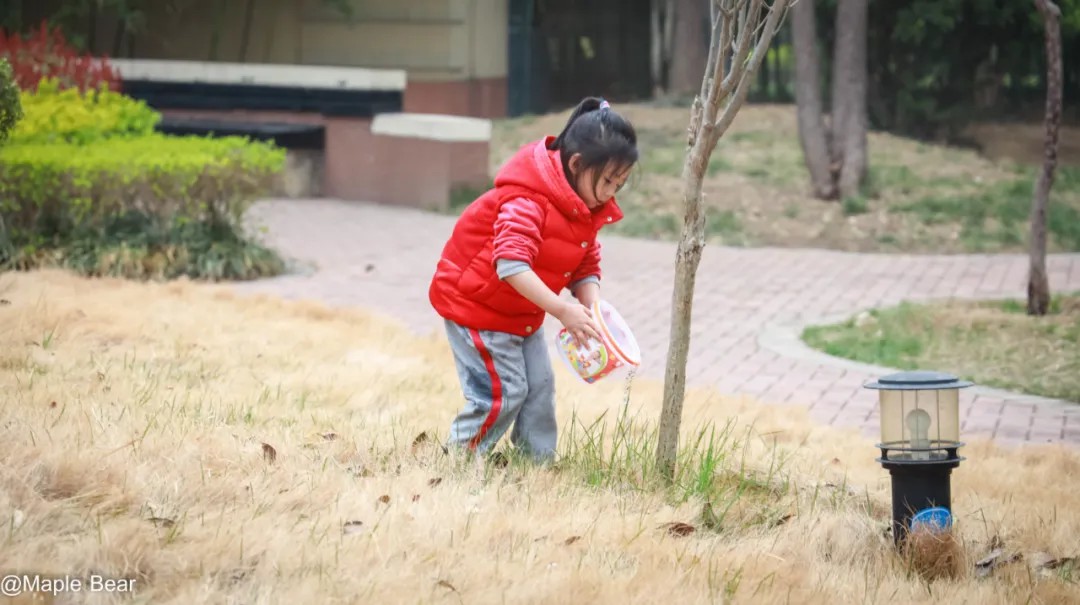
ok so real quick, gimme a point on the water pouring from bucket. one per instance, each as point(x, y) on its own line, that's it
point(616, 349)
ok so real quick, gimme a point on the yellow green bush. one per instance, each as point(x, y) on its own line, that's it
point(68, 115)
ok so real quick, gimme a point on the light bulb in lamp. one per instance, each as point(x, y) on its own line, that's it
point(918, 424)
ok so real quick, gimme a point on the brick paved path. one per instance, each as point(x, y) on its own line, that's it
point(749, 305)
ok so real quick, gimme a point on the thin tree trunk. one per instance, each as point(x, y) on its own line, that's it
point(687, 259)
point(812, 133)
point(689, 46)
point(734, 30)
point(849, 96)
point(1038, 301)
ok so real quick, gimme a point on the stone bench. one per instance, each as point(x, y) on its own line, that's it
point(424, 157)
point(343, 128)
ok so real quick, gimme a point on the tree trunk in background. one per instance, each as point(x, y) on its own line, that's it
point(689, 47)
point(812, 134)
point(836, 155)
point(662, 23)
point(1038, 299)
point(849, 96)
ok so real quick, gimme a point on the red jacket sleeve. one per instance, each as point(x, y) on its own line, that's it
point(517, 231)
point(590, 265)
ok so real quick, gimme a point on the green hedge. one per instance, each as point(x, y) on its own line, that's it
point(148, 207)
point(86, 183)
point(56, 188)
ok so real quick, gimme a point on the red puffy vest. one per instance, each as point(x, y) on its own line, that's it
point(466, 289)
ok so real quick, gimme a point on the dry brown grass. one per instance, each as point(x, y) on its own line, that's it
point(757, 190)
point(133, 430)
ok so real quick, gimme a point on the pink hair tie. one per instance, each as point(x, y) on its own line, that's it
point(604, 105)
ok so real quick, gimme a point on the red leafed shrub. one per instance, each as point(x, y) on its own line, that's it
point(44, 53)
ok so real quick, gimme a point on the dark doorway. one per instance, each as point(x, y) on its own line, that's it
point(563, 50)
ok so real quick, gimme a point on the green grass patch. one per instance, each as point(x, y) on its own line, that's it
point(898, 180)
point(722, 226)
point(649, 223)
point(917, 198)
point(759, 155)
point(994, 343)
point(998, 215)
point(855, 204)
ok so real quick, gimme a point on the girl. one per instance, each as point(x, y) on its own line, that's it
point(510, 255)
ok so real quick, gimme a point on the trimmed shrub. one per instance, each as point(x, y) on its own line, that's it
point(52, 113)
point(45, 53)
point(87, 183)
point(151, 206)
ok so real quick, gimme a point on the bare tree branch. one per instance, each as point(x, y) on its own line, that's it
point(738, 65)
point(746, 74)
point(704, 114)
point(723, 31)
point(751, 13)
point(710, 63)
point(717, 12)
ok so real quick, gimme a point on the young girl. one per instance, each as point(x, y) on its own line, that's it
point(510, 255)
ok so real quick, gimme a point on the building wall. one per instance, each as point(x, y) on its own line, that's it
point(454, 51)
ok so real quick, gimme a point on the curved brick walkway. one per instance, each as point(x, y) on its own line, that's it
point(749, 305)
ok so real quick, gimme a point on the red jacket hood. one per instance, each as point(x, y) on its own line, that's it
point(539, 168)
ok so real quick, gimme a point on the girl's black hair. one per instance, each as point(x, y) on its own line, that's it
point(599, 134)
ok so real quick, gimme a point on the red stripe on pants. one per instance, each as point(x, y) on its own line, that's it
point(496, 390)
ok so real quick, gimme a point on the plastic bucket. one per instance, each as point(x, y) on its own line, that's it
point(617, 348)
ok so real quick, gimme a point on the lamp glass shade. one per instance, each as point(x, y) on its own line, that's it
point(919, 418)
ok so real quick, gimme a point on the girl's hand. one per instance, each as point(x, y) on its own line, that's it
point(578, 321)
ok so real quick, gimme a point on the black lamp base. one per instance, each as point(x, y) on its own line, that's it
point(916, 487)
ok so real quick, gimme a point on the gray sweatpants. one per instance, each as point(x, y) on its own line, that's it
point(506, 379)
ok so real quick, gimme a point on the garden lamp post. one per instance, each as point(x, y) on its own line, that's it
point(920, 431)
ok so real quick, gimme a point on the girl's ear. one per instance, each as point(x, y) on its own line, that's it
point(574, 164)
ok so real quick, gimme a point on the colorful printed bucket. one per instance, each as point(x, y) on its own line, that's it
point(617, 347)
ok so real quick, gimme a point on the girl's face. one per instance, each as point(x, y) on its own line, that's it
point(596, 186)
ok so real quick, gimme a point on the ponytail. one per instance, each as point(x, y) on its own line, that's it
point(585, 106)
point(599, 134)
